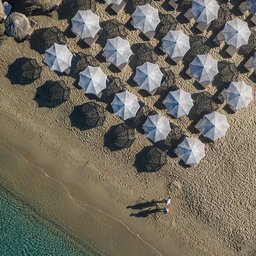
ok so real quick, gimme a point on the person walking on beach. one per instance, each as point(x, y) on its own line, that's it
point(168, 205)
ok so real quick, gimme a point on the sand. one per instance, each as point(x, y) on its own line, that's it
point(214, 203)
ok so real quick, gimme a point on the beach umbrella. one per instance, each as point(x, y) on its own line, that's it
point(175, 44)
point(119, 137)
point(85, 24)
point(88, 115)
point(191, 151)
point(92, 80)
point(174, 137)
point(30, 69)
point(117, 51)
point(238, 95)
point(205, 11)
point(236, 33)
point(203, 104)
point(213, 126)
point(148, 76)
point(58, 58)
point(48, 37)
point(203, 68)
point(143, 52)
point(125, 105)
point(178, 103)
point(83, 60)
point(145, 18)
point(251, 5)
point(17, 25)
point(227, 72)
point(150, 159)
point(156, 127)
point(117, 2)
point(52, 94)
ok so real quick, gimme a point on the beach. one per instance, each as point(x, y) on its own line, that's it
point(70, 177)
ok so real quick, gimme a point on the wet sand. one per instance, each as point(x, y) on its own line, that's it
point(214, 207)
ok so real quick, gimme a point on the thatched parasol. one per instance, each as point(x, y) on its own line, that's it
point(69, 8)
point(150, 159)
point(88, 115)
point(143, 52)
point(251, 46)
point(224, 15)
point(50, 36)
point(203, 104)
point(2, 14)
point(18, 26)
point(197, 47)
point(168, 22)
point(134, 3)
point(140, 117)
point(119, 137)
point(227, 72)
point(82, 60)
point(52, 94)
point(116, 86)
point(29, 6)
point(30, 70)
point(168, 82)
point(173, 139)
point(112, 28)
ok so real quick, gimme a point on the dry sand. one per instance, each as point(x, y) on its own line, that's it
point(214, 205)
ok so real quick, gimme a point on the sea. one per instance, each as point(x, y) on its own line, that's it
point(24, 233)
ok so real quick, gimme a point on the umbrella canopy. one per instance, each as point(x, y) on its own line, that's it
point(119, 137)
point(238, 95)
point(18, 26)
point(85, 24)
point(52, 94)
point(31, 70)
point(148, 76)
point(125, 105)
point(236, 33)
point(58, 58)
point(213, 126)
point(156, 127)
point(145, 18)
point(251, 5)
point(178, 103)
point(205, 11)
point(175, 44)
point(117, 51)
point(168, 22)
point(190, 151)
point(92, 80)
point(117, 2)
point(88, 115)
point(203, 68)
point(150, 159)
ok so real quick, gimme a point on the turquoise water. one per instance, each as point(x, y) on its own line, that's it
point(23, 233)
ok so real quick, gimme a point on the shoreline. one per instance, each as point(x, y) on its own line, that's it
point(6, 133)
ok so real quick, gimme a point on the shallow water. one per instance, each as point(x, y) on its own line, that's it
point(25, 233)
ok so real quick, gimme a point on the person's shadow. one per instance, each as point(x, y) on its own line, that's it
point(146, 208)
point(146, 213)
